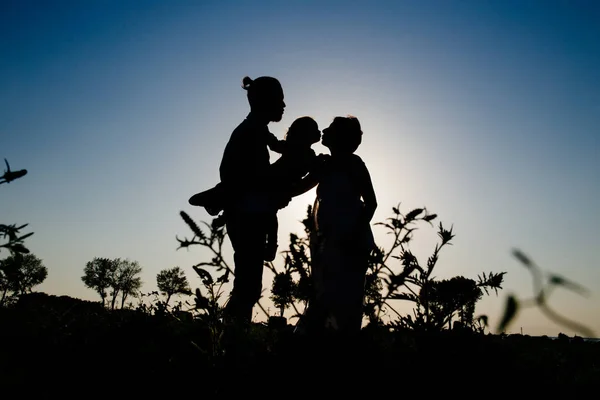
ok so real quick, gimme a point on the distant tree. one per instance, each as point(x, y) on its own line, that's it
point(19, 273)
point(98, 275)
point(127, 281)
point(449, 296)
point(172, 282)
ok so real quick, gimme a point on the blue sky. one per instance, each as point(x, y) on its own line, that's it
point(486, 113)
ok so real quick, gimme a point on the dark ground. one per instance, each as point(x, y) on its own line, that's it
point(60, 344)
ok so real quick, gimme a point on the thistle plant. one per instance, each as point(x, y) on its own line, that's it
point(403, 277)
point(212, 240)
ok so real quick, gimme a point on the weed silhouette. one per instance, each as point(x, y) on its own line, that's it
point(542, 290)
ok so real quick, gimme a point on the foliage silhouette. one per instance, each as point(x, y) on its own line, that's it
point(121, 276)
point(11, 175)
point(292, 285)
point(15, 243)
point(209, 310)
point(19, 273)
point(213, 240)
point(126, 281)
point(542, 292)
point(11, 233)
point(172, 282)
point(98, 275)
point(436, 303)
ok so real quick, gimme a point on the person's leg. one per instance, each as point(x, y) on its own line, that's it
point(272, 226)
point(247, 233)
point(356, 296)
point(313, 320)
point(348, 287)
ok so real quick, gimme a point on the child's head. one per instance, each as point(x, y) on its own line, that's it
point(303, 131)
point(344, 135)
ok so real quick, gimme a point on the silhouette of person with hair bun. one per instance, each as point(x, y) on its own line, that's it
point(245, 184)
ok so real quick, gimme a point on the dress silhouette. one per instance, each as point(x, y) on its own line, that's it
point(341, 240)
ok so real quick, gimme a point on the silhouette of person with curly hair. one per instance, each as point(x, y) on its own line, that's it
point(341, 240)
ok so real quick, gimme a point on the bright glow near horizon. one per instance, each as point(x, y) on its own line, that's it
point(486, 114)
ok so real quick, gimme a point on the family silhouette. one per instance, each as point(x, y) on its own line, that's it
point(252, 190)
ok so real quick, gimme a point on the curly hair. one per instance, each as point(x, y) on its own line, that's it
point(350, 133)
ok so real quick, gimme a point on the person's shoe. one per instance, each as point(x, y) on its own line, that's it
point(212, 199)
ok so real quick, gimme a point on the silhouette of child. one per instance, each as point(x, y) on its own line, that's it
point(214, 199)
point(298, 158)
point(296, 161)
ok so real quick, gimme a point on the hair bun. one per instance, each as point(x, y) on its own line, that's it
point(246, 82)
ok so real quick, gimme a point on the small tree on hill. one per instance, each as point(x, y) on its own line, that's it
point(172, 282)
point(19, 273)
point(127, 281)
point(98, 275)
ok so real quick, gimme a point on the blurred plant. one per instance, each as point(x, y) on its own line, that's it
point(14, 243)
point(172, 282)
point(11, 175)
point(10, 233)
point(19, 274)
point(542, 292)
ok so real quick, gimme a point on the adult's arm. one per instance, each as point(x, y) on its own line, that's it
point(305, 184)
point(366, 190)
point(315, 166)
point(276, 145)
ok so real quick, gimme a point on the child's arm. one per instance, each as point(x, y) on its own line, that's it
point(276, 145)
point(312, 178)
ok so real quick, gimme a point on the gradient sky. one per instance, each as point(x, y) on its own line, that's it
point(487, 113)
